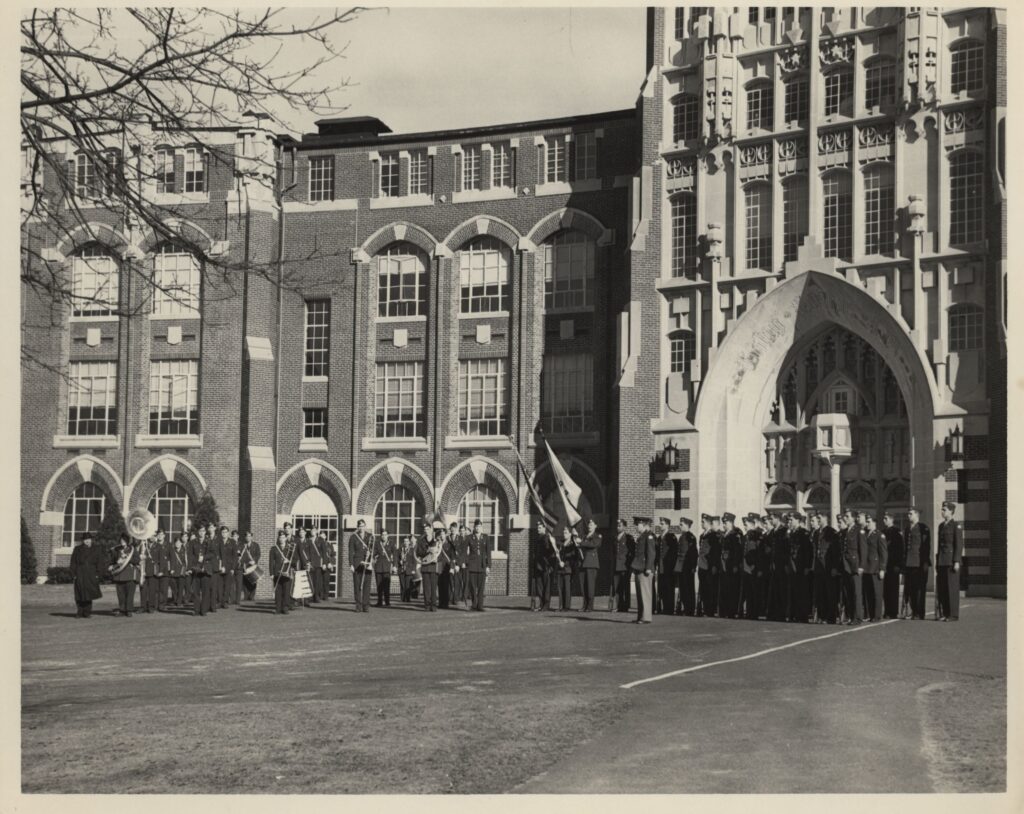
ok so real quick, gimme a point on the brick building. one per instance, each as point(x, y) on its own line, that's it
point(802, 218)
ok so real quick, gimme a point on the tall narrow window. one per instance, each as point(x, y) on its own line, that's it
point(482, 397)
point(94, 282)
point(471, 161)
point(398, 400)
point(502, 171)
point(92, 398)
point(685, 118)
point(794, 216)
point(164, 170)
point(682, 352)
point(483, 276)
point(838, 215)
point(839, 93)
point(879, 211)
point(880, 85)
point(318, 338)
point(314, 422)
point(419, 172)
point(483, 503)
point(174, 397)
point(586, 156)
point(680, 23)
point(567, 393)
point(389, 175)
point(966, 198)
point(83, 513)
point(170, 506)
point(966, 328)
point(87, 181)
point(321, 178)
point(759, 107)
point(398, 512)
point(759, 226)
point(176, 281)
point(195, 170)
point(967, 66)
point(401, 281)
point(555, 160)
point(568, 270)
point(796, 100)
point(684, 235)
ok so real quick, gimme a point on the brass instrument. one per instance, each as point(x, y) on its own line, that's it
point(141, 526)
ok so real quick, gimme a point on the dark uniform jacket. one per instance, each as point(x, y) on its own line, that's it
point(751, 546)
point(704, 551)
point(896, 551)
point(282, 558)
point(543, 559)
point(204, 557)
point(478, 554)
point(591, 545)
point(566, 550)
point(625, 546)
point(667, 552)
point(384, 555)
point(831, 542)
point(409, 561)
point(801, 554)
point(155, 562)
point(449, 555)
point(854, 549)
point(231, 549)
point(688, 551)
point(765, 549)
point(86, 562)
point(177, 561)
point(428, 551)
point(781, 562)
point(732, 550)
point(919, 546)
point(310, 553)
point(951, 543)
point(359, 549)
point(645, 556)
point(875, 550)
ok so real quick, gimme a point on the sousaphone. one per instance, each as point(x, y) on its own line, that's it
point(141, 524)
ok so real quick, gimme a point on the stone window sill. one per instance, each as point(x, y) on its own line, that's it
point(86, 441)
point(387, 444)
point(169, 441)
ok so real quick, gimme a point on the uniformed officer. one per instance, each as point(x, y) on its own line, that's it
point(623, 548)
point(360, 556)
point(590, 545)
point(664, 585)
point(707, 569)
point(852, 567)
point(874, 568)
point(203, 563)
point(896, 551)
point(478, 565)
point(749, 590)
point(565, 552)
point(644, 559)
point(732, 562)
point(947, 564)
point(283, 562)
point(384, 556)
point(686, 565)
point(919, 560)
point(540, 574)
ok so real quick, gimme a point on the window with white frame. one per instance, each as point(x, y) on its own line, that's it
point(318, 338)
point(399, 400)
point(759, 107)
point(966, 328)
point(680, 23)
point(482, 397)
point(794, 215)
point(163, 168)
point(880, 87)
point(682, 352)
point(502, 172)
point(483, 276)
point(554, 160)
point(174, 397)
point(83, 513)
point(567, 393)
point(966, 197)
point(389, 175)
point(321, 178)
point(684, 235)
point(472, 158)
point(94, 178)
point(195, 170)
point(568, 270)
point(839, 92)
point(586, 155)
point(92, 398)
point(401, 281)
point(837, 213)
point(170, 505)
point(176, 281)
point(94, 282)
point(796, 101)
point(314, 422)
point(398, 511)
point(967, 66)
point(685, 118)
point(879, 210)
point(758, 199)
point(419, 172)
point(484, 504)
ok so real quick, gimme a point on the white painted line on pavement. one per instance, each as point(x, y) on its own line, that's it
point(863, 626)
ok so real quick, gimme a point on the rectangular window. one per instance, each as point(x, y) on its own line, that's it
point(502, 168)
point(482, 397)
point(318, 338)
point(176, 281)
point(94, 283)
point(684, 235)
point(321, 178)
point(682, 351)
point(838, 216)
point(164, 170)
point(680, 23)
point(967, 67)
point(314, 422)
point(389, 175)
point(401, 283)
point(965, 328)
point(471, 161)
point(174, 397)
point(399, 400)
point(752, 15)
point(567, 393)
point(759, 108)
point(92, 398)
point(195, 170)
point(569, 271)
point(419, 172)
point(879, 213)
point(685, 119)
point(483, 277)
point(880, 85)
point(794, 217)
point(838, 93)
point(796, 102)
point(87, 182)
point(966, 198)
point(555, 160)
point(759, 227)
point(586, 156)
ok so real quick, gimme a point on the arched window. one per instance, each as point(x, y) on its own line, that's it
point(176, 281)
point(83, 513)
point(682, 352)
point(568, 270)
point(94, 282)
point(879, 210)
point(483, 276)
point(685, 117)
point(819, 497)
point(966, 197)
point(401, 281)
point(966, 66)
point(782, 497)
point(398, 511)
point(839, 92)
point(794, 215)
point(760, 106)
point(861, 496)
point(758, 219)
point(796, 106)
point(314, 509)
point(684, 235)
point(484, 504)
point(838, 215)
point(965, 328)
point(880, 86)
point(171, 507)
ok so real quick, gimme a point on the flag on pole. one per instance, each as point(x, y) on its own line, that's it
point(567, 487)
point(550, 521)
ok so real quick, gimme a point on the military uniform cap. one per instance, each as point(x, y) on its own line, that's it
point(638, 520)
point(949, 504)
point(799, 516)
point(706, 517)
point(437, 524)
point(729, 517)
point(766, 517)
point(665, 520)
point(715, 518)
point(686, 520)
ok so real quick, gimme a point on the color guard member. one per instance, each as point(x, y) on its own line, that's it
point(565, 553)
point(591, 547)
point(540, 571)
point(947, 564)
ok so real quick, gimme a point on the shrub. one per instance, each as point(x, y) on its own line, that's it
point(29, 564)
point(206, 512)
point(59, 575)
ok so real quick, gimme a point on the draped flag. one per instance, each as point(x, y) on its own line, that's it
point(550, 521)
point(567, 487)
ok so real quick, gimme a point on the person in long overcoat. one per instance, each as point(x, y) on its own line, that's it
point(85, 572)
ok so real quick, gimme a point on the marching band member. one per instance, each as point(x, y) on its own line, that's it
point(315, 559)
point(412, 573)
point(383, 567)
point(123, 572)
point(177, 571)
point(478, 566)
point(427, 550)
point(85, 573)
point(445, 566)
point(360, 555)
point(457, 575)
point(152, 568)
point(283, 559)
point(229, 566)
point(203, 564)
point(250, 555)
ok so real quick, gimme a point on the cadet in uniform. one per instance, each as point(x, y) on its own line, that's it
point(947, 564)
point(85, 573)
point(644, 559)
point(540, 573)
point(919, 559)
point(803, 565)
point(152, 553)
point(403, 574)
point(230, 550)
point(564, 554)
point(749, 608)
point(763, 575)
point(591, 547)
point(177, 571)
point(427, 549)
point(686, 566)
point(778, 600)
point(360, 555)
point(383, 567)
point(706, 569)
point(823, 541)
point(874, 568)
point(896, 555)
point(623, 547)
point(203, 563)
point(732, 561)
point(283, 561)
point(852, 570)
point(478, 566)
